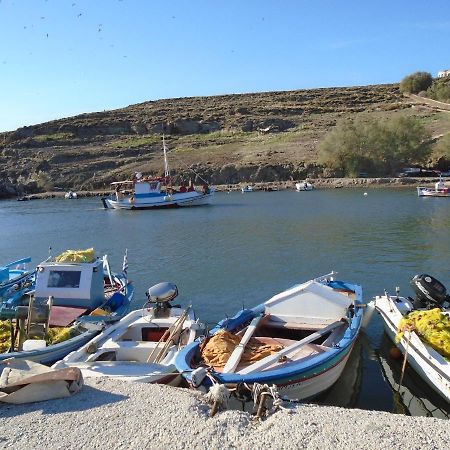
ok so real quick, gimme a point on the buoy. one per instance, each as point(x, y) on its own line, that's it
point(395, 353)
point(365, 194)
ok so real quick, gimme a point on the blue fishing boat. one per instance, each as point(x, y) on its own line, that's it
point(299, 340)
point(76, 296)
point(15, 281)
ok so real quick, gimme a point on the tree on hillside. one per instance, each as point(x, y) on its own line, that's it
point(378, 147)
point(416, 82)
point(441, 152)
point(440, 90)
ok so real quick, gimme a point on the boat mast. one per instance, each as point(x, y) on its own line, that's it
point(166, 162)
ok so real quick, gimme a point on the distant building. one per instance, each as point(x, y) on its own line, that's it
point(443, 73)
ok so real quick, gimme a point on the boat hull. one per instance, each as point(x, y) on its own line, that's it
point(427, 192)
point(427, 363)
point(301, 377)
point(161, 202)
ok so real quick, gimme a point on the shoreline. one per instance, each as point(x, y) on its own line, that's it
point(319, 183)
point(109, 413)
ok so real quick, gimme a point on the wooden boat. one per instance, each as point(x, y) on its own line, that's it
point(440, 190)
point(151, 193)
point(142, 346)
point(75, 296)
point(299, 340)
point(304, 186)
point(432, 366)
point(15, 281)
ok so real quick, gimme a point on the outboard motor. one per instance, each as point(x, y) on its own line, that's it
point(430, 293)
point(162, 294)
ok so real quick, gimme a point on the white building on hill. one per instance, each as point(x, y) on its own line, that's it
point(443, 73)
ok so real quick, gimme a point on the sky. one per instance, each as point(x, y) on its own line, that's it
point(60, 58)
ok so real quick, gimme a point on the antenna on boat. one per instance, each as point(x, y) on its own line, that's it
point(166, 163)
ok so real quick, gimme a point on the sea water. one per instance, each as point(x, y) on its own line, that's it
point(245, 248)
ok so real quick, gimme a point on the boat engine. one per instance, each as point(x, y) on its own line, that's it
point(162, 294)
point(430, 293)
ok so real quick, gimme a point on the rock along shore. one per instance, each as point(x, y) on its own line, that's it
point(319, 183)
point(112, 414)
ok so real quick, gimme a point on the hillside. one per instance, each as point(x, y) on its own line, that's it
point(227, 139)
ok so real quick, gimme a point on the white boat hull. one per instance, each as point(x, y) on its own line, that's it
point(432, 367)
point(166, 201)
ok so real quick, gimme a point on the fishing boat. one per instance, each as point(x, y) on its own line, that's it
point(150, 193)
point(440, 190)
point(412, 325)
point(246, 188)
point(143, 345)
point(76, 295)
point(298, 340)
point(70, 195)
point(15, 281)
point(304, 186)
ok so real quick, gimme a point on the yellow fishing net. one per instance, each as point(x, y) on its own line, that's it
point(432, 326)
point(219, 348)
point(79, 256)
point(54, 336)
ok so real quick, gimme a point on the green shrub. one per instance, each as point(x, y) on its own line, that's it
point(378, 147)
point(440, 90)
point(416, 82)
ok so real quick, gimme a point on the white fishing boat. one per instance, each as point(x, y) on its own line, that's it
point(410, 324)
point(76, 295)
point(151, 193)
point(440, 190)
point(246, 188)
point(304, 186)
point(299, 340)
point(143, 345)
point(70, 195)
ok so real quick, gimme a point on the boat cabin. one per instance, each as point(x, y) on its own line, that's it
point(71, 284)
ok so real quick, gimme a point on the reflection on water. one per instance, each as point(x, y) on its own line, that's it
point(414, 397)
point(245, 248)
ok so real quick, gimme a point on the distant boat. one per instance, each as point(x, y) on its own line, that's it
point(247, 188)
point(150, 193)
point(440, 190)
point(70, 195)
point(304, 186)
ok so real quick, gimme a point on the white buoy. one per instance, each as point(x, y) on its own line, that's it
point(365, 194)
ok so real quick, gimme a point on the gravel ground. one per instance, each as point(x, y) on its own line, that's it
point(109, 414)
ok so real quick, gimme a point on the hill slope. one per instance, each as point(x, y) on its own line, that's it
point(228, 139)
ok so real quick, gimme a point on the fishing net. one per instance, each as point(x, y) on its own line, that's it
point(218, 349)
point(432, 326)
point(79, 256)
point(55, 335)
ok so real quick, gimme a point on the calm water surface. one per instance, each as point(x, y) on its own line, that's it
point(247, 247)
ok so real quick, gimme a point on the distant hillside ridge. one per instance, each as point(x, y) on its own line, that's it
point(269, 136)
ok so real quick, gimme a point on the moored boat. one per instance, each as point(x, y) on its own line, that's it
point(75, 296)
point(246, 188)
point(151, 193)
point(70, 195)
point(15, 281)
point(299, 340)
point(420, 333)
point(142, 346)
point(440, 190)
point(304, 186)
